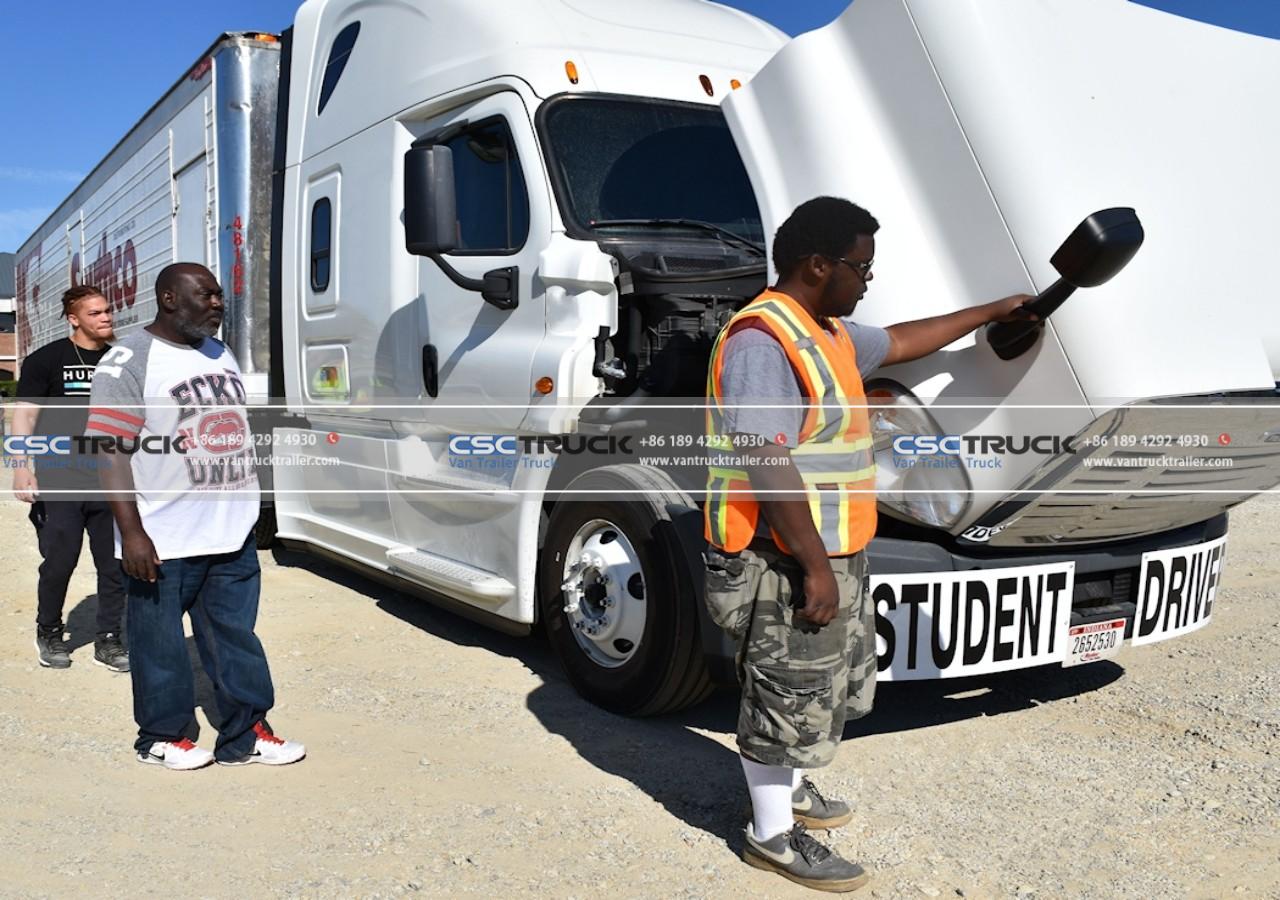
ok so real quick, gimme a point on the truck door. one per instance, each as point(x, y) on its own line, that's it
point(476, 357)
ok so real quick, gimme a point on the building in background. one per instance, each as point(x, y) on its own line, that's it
point(8, 321)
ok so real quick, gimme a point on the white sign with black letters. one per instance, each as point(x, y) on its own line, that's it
point(1176, 590)
point(950, 624)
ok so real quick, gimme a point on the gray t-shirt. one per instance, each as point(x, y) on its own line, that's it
point(202, 499)
point(757, 371)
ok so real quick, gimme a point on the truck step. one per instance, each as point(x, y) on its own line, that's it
point(449, 576)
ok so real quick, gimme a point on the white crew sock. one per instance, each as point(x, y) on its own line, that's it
point(770, 788)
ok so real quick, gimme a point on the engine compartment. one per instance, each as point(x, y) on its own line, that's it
point(672, 303)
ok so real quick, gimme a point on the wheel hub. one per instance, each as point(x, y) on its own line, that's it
point(604, 592)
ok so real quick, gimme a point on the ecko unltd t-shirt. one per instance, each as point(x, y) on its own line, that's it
point(197, 493)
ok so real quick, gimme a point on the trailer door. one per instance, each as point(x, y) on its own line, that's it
point(190, 214)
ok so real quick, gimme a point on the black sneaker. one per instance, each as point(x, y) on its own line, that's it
point(51, 648)
point(797, 856)
point(109, 653)
point(809, 807)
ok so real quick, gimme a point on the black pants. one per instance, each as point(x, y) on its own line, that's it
point(61, 536)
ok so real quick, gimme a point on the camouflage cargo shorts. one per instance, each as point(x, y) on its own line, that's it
point(800, 684)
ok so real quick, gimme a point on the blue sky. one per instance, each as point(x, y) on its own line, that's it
point(74, 76)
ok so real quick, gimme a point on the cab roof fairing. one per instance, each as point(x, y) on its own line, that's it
point(425, 50)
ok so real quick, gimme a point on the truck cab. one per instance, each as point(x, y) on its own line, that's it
point(531, 219)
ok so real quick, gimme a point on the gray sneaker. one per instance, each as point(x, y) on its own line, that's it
point(796, 855)
point(816, 811)
point(109, 653)
point(51, 648)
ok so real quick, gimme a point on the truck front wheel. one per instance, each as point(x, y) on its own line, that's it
point(617, 596)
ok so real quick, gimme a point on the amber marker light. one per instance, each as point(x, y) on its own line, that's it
point(544, 385)
point(572, 71)
point(706, 85)
point(735, 83)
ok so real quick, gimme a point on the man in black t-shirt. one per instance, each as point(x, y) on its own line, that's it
point(53, 397)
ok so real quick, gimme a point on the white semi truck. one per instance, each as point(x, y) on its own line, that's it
point(449, 229)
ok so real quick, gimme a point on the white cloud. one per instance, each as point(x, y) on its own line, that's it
point(39, 176)
point(16, 225)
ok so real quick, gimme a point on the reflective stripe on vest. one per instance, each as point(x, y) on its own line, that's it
point(834, 456)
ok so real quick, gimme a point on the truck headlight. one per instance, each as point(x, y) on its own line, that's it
point(926, 489)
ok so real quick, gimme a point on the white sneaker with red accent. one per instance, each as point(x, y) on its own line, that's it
point(181, 755)
point(268, 750)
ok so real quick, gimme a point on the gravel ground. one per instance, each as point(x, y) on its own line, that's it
point(448, 760)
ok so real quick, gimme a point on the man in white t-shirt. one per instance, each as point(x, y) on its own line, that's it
point(170, 401)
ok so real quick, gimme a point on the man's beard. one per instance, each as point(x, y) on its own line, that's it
point(193, 330)
point(830, 305)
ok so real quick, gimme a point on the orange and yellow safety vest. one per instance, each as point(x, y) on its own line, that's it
point(834, 454)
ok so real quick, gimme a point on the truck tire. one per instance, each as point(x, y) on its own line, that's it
point(629, 640)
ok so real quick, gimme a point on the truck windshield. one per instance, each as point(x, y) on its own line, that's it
point(624, 164)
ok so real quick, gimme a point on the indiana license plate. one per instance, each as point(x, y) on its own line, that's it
point(1092, 642)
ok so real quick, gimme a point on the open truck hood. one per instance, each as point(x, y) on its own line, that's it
point(979, 133)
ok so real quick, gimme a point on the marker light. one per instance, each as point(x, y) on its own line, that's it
point(706, 85)
point(735, 83)
point(572, 71)
point(544, 385)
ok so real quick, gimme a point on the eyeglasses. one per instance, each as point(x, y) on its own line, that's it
point(862, 268)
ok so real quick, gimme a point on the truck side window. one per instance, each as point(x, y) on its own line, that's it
point(493, 204)
point(338, 56)
point(321, 242)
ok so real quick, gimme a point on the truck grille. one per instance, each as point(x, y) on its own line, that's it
point(1135, 473)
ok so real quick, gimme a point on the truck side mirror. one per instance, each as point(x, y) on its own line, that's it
point(431, 218)
point(430, 202)
point(1099, 247)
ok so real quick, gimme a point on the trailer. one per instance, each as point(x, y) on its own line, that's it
point(190, 181)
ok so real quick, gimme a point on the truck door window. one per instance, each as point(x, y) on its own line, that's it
point(493, 204)
point(343, 44)
point(321, 242)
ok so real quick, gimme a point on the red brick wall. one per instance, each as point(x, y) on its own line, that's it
point(8, 348)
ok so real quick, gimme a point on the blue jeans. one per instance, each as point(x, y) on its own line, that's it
point(221, 594)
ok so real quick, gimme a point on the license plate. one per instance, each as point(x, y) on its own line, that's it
point(1092, 642)
point(1176, 590)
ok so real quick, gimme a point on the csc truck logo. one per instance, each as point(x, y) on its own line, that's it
point(927, 444)
point(483, 445)
point(221, 432)
point(37, 445)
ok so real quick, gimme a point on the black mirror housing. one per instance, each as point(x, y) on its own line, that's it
point(1100, 247)
point(430, 200)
